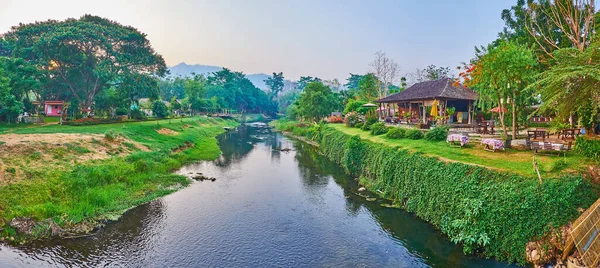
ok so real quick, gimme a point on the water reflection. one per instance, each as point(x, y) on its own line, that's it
point(267, 208)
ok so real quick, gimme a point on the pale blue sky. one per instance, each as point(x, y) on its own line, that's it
point(328, 39)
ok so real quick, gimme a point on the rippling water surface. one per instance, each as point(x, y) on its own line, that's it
point(267, 208)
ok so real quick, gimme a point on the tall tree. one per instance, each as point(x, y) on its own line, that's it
point(386, 70)
point(88, 54)
point(433, 72)
point(275, 84)
point(572, 84)
point(368, 87)
point(353, 80)
point(305, 80)
point(317, 101)
point(501, 78)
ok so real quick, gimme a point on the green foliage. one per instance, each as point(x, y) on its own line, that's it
point(589, 147)
point(159, 109)
point(355, 106)
point(487, 211)
point(396, 133)
point(89, 49)
point(359, 125)
point(437, 134)
point(368, 87)
point(316, 102)
point(378, 128)
point(370, 119)
point(571, 85)
point(351, 119)
point(275, 84)
point(414, 134)
point(559, 165)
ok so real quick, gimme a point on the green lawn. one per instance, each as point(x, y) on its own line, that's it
point(510, 160)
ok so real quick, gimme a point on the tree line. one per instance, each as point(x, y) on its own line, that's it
point(95, 64)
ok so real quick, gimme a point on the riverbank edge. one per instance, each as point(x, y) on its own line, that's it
point(161, 182)
point(502, 233)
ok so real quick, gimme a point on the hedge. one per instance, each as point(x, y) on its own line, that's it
point(489, 212)
point(588, 147)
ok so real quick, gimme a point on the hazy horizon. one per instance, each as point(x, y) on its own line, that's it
point(328, 39)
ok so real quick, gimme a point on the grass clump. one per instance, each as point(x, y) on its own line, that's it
point(111, 135)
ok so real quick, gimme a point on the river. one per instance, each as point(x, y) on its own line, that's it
point(267, 208)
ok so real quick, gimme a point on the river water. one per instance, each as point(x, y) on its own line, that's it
point(267, 208)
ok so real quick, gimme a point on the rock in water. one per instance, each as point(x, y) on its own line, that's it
point(361, 189)
point(22, 225)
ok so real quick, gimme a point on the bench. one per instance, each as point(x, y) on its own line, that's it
point(547, 147)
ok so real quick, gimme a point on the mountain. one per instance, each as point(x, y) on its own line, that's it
point(184, 69)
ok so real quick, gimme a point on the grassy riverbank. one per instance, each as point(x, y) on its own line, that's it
point(490, 212)
point(70, 175)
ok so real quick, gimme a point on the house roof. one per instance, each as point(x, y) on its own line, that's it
point(436, 89)
point(54, 102)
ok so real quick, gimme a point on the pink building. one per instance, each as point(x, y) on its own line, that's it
point(53, 108)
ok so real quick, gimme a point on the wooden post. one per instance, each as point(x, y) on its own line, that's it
point(424, 113)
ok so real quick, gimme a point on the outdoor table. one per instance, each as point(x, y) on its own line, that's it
point(492, 144)
point(458, 138)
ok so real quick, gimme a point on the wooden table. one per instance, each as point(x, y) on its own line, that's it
point(492, 144)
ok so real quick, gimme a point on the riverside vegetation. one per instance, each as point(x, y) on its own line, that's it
point(491, 213)
point(68, 194)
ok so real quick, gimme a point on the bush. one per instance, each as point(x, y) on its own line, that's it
point(588, 147)
point(396, 133)
point(414, 134)
point(371, 118)
point(335, 119)
point(359, 125)
point(111, 135)
point(352, 119)
point(137, 114)
point(437, 134)
point(159, 109)
point(378, 128)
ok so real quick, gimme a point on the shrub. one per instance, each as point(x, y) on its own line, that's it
point(159, 109)
point(414, 134)
point(371, 118)
point(359, 125)
point(396, 133)
point(352, 119)
point(137, 114)
point(335, 119)
point(588, 147)
point(437, 134)
point(378, 128)
point(111, 135)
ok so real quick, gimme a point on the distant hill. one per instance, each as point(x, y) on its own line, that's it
point(184, 69)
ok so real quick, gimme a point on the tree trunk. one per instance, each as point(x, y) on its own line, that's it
point(501, 113)
point(514, 120)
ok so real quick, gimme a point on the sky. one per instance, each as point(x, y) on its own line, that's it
point(324, 38)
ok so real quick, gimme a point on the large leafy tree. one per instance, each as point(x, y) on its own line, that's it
point(501, 77)
point(87, 55)
point(572, 84)
point(316, 102)
point(433, 72)
point(352, 81)
point(275, 84)
point(10, 106)
point(305, 80)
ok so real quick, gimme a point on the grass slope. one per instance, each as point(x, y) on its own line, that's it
point(100, 188)
point(519, 162)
